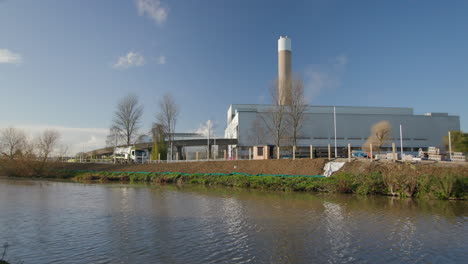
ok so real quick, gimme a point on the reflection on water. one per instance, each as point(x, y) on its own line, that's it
point(62, 222)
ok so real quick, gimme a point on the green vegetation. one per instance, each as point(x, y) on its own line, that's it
point(459, 141)
point(159, 148)
point(159, 144)
point(445, 186)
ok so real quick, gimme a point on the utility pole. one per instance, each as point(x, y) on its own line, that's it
point(115, 145)
point(334, 123)
point(401, 142)
point(450, 146)
point(208, 142)
point(171, 150)
point(215, 148)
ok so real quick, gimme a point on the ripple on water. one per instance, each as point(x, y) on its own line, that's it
point(74, 223)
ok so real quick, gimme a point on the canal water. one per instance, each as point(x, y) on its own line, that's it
point(64, 222)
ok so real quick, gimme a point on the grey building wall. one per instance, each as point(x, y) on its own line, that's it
point(249, 124)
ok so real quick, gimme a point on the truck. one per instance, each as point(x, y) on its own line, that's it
point(130, 155)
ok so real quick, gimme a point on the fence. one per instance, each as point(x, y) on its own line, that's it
point(246, 153)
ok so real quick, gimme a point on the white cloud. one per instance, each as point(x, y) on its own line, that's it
point(7, 56)
point(75, 138)
point(324, 76)
point(132, 59)
point(162, 60)
point(154, 9)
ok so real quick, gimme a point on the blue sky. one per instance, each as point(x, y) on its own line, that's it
point(59, 60)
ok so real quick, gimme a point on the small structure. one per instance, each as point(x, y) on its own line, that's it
point(434, 154)
point(458, 156)
point(391, 156)
point(262, 152)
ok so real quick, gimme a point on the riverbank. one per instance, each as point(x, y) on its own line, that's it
point(444, 186)
point(425, 180)
point(283, 166)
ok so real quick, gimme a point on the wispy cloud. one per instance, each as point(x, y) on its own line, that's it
point(154, 9)
point(132, 59)
point(324, 76)
point(7, 56)
point(162, 59)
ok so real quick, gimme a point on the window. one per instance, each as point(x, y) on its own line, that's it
point(259, 151)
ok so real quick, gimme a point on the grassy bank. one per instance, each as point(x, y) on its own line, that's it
point(425, 180)
point(444, 186)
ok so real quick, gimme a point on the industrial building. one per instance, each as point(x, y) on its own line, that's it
point(250, 123)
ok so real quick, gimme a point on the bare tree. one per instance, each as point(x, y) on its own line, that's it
point(167, 117)
point(114, 138)
point(127, 119)
point(257, 133)
point(46, 143)
point(276, 116)
point(296, 108)
point(63, 152)
point(381, 133)
point(12, 142)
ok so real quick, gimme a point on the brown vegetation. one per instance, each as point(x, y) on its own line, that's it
point(284, 166)
point(167, 118)
point(21, 156)
point(380, 135)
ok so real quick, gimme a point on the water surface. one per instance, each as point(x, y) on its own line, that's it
point(64, 222)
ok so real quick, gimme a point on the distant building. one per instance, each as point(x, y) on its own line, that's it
point(250, 123)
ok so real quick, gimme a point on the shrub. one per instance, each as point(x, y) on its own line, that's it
point(446, 184)
point(343, 183)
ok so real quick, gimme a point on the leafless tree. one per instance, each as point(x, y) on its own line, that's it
point(46, 143)
point(63, 152)
point(167, 117)
point(13, 142)
point(276, 116)
point(127, 119)
point(381, 133)
point(296, 108)
point(113, 138)
point(257, 133)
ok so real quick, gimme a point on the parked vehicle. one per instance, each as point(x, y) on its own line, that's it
point(131, 155)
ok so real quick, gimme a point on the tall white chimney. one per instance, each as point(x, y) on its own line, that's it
point(284, 70)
